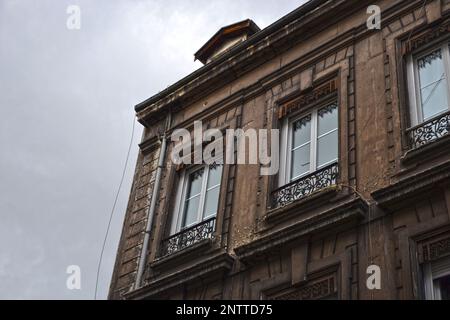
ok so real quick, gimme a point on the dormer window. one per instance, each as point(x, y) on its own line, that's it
point(225, 39)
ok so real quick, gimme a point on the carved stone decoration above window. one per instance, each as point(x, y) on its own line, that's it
point(320, 289)
point(436, 250)
point(425, 38)
point(308, 98)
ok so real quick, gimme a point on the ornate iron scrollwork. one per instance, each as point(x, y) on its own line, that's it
point(429, 58)
point(305, 186)
point(328, 109)
point(189, 237)
point(302, 122)
point(429, 131)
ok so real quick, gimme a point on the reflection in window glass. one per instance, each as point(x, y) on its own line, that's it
point(433, 84)
point(194, 189)
point(301, 148)
point(212, 192)
point(314, 142)
point(201, 195)
point(327, 139)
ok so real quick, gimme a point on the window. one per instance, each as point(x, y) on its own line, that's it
point(310, 143)
point(437, 279)
point(198, 197)
point(428, 81)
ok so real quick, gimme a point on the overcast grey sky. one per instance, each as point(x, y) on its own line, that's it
point(66, 110)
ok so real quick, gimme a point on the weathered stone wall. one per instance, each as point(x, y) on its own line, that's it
point(405, 197)
point(134, 225)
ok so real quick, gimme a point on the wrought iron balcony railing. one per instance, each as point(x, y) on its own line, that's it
point(188, 237)
point(429, 131)
point(303, 187)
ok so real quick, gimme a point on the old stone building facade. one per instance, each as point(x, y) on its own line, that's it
point(365, 163)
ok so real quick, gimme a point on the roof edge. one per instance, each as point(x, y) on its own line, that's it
point(296, 14)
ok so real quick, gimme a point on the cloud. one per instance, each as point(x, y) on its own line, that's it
point(66, 110)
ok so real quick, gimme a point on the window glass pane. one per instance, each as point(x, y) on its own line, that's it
point(434, 99)
point(215, 176)
point(433, 84)
point(191, 211)
point(301, 132)
point(300, 162)
point(192, 200)
point(444, 286)
point(211, 202)
point(213, 191)
point(327, 149)
point(327, 119)
point(431, 68)
point(195, 183)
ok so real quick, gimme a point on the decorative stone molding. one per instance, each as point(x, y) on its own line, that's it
point(308, 98)
point(351, 210)
point(435, 249)
point(390, 197)
point(425, 37)
point(314, 290)
point(214, 266)
point(247, 56)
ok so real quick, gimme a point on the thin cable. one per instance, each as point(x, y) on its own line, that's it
point(434, 89)
point(420, 13)
point(114, 207)
point(378, 104)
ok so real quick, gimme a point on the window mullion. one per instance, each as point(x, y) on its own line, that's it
point(418, 91)
point(203, 195)
point(446, 54)
point(428, 282)
point(314, 134)
point(412, 88)
point(180, 203)
point(288, 154)
point(184, 200)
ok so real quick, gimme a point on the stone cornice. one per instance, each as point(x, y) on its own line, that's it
point(411, 186)
point(311, 18)
point(351, 210)
point(211, 266)
point(249, 55)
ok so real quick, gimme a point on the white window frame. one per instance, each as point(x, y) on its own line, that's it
point(432, 272)
point(416, 110)
point(179, 212)
point(286, 144)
